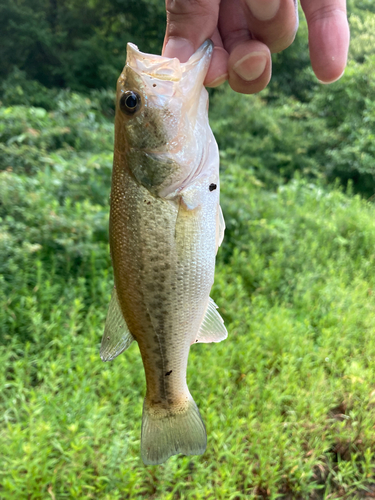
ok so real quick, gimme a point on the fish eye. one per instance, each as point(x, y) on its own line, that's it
point(130, 102)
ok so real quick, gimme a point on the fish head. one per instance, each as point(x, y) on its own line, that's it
point(162, 117)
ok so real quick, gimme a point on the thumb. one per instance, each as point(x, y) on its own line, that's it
point(189, 24)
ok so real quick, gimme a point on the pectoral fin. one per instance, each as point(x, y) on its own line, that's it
point(212, 328)
point(220, 227)
point(117, 337)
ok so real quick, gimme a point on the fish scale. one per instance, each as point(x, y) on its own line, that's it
point(165, 227)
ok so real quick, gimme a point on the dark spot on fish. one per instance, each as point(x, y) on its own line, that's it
point(168, 373)
point(196, 340)
point(149, 203)
point(212, 187)
point(154, 85)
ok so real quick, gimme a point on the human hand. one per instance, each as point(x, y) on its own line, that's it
point(246, 32)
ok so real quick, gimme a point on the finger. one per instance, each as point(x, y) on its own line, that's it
point(249, 64)
point(273, 22)
point(328, 37)
point(189, 24)
point(249, 67)
point(218, 70)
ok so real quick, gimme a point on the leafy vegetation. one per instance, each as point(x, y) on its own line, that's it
point(288, 398)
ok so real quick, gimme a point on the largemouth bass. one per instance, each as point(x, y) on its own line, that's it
point(165, 228)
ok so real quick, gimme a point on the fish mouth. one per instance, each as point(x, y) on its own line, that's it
point(171, 69)
point(162, 68)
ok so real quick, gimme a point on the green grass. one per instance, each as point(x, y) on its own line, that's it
point(288, 399)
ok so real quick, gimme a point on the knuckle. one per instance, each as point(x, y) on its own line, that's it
point(188, 7)
point(235, 37)
point(326, 11)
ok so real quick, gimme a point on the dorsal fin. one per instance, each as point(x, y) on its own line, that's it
point(116, 338)
point(212, 328)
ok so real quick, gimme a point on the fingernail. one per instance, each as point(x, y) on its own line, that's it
point(251, 66)
point(180, 48)
point(218, 81)
point(264, 10)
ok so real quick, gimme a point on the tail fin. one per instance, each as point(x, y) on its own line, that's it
point(168, 432)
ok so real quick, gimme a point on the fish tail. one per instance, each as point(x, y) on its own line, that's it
point(167, 432)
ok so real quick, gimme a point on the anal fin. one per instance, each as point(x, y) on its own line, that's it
point(116, 338)
point(212, 328)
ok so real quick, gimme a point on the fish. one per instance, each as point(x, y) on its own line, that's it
point(165, 228)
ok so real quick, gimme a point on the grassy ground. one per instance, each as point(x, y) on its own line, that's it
point(288, 399)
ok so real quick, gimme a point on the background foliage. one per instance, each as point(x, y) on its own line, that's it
point(289, 398)
point(74, 43)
